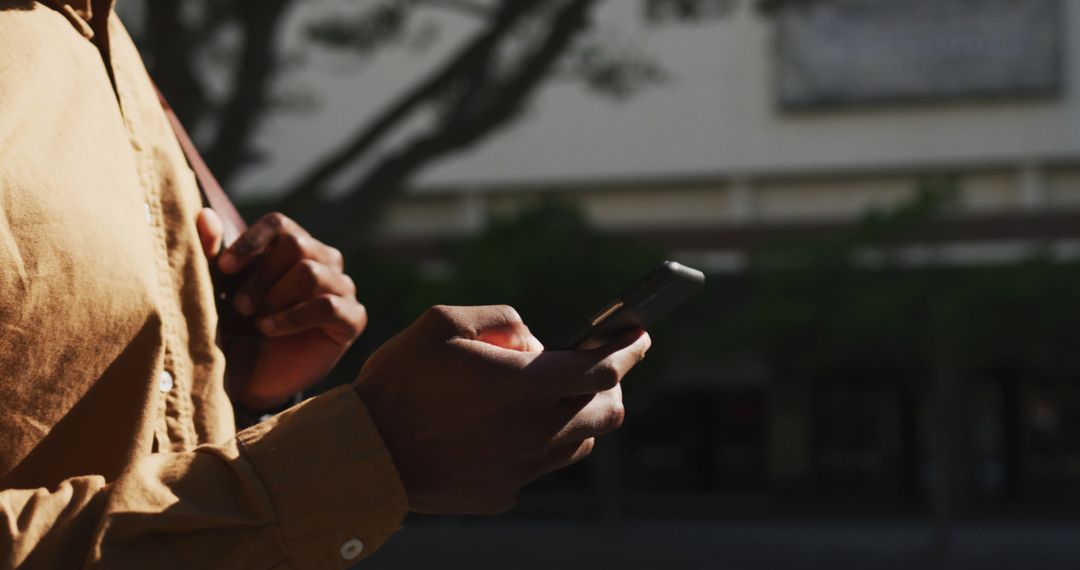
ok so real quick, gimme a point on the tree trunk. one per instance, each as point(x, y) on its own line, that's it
point(475, 116)
point(170, 54)
point(251, 83)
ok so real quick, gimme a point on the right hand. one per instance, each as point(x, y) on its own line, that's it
point(471, 408)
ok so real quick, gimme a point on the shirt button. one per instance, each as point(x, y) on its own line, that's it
point(165, 381)
point(149, 214)
point(352, 548)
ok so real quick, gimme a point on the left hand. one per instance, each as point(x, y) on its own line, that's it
point(299, 297)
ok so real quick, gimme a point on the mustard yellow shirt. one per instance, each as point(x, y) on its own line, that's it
point(117, 445)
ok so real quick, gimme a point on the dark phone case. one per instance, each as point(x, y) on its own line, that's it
point(644, 303)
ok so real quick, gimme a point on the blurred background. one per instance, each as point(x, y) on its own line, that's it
point(885, 194)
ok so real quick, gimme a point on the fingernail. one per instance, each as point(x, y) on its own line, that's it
point(244, 305)
point(227, 262)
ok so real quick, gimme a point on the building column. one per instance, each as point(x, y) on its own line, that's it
point(474, 211)
point(1031, 184)
point(743, 202)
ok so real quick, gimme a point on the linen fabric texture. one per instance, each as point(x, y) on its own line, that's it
point(117, 440)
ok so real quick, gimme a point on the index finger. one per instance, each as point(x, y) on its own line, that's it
point(499, 325)
point(512, 337)
point(579, 372)
point(255, 241)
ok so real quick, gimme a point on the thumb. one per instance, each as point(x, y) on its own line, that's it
point(211, 232)
point(577, 372)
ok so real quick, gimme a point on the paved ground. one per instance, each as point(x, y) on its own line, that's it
point(675, 545)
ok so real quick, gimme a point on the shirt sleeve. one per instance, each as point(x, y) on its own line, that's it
point(312, 487)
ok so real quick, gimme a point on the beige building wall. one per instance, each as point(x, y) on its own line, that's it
point(717, 120)
point(747, 161)
point(728, 203)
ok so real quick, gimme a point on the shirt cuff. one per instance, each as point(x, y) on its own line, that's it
point(332, 482)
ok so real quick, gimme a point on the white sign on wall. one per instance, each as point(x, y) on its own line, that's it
point(847, 52)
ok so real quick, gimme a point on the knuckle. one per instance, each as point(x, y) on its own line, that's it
point(328, 306)
point(335, 256)
point(274, 220)
point(349, 284)
point(312, 271)
point(446, 320)
point(294, 243)
point(508, 313)
point(614, 416)
point(606, 375)
point(440, 313)
point(360, 321)
point(501, 313)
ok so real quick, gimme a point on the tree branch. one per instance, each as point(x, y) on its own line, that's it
point(310, 185)
point(467, 7)
point(473, 118)
point(170, 51)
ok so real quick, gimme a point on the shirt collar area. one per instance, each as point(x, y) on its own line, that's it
point(86, 15)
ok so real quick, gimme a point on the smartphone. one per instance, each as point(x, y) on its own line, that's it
point(648, 300)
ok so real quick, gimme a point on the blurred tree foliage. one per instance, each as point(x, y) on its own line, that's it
point(883, 291)
point(882, 302)
point(219, 61)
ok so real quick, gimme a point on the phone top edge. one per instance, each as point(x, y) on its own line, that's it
point(689, 273)
point(667, 274)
